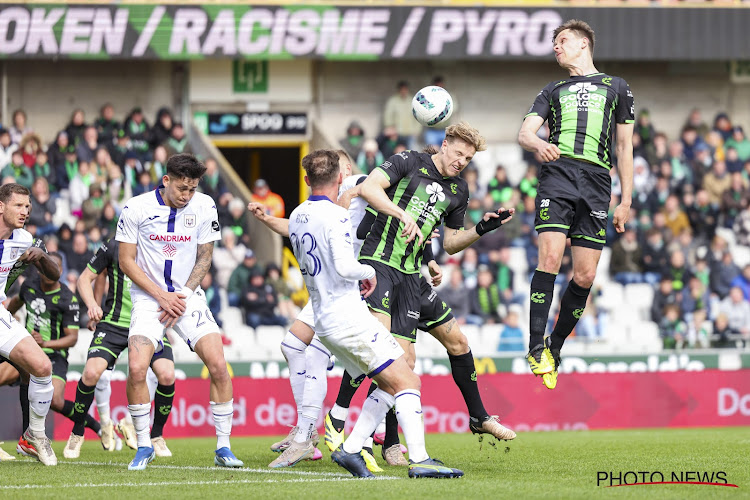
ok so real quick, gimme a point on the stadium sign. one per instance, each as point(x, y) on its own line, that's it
point(183, 32)
point(251, 123)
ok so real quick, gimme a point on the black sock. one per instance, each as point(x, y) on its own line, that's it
point(24, 397)
point(542, 288)
point(571, 307)
point(68, 410)
point(391, 429)
point(92, 423)
point(162, 407)
point(84, 398)
point(465, 376)
point(347, 390)
point(372, 388)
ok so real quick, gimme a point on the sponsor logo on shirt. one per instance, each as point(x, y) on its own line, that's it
point(215, 226)
point(169, 250)
point(170, 237)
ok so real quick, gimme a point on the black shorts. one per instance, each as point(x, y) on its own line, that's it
point(59, 365)
point(109, 341)
point(434, 311)
point(396, 295)
point(573, 198)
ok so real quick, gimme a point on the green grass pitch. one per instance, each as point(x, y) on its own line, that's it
point(535, 465)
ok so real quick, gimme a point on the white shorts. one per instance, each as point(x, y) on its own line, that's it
point(195, 323)
point(365, 350)
point(11, 332)
point(307, 316)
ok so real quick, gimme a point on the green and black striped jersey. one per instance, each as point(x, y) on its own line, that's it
point(420, 190)
point(118, 305)
point(582, 112)
point(49, 312)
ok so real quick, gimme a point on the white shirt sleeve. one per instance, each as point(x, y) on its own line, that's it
point(210, 230)
point(343, 253)
point(127, 227)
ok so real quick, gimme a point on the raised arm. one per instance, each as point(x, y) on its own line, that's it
point(276, 224)
point(202, 264)
point(373, 191)
point(42, 262)
point(457, 239)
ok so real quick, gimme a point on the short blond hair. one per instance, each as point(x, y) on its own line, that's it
point(466, 133)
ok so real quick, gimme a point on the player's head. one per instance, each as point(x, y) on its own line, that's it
point(184, 171)
point(15, 205)
point(461, 142)
point(322, 168)
point(58, 260)
point(345, 163)
point(573, 40)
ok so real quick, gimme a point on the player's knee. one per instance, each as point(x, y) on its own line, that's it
point(41, 367)
point(457, 345)
point(413, 382)
point(584, 278)
point(218, 371)
point(165, 377)
point(550, 262)
point(90, 375)
point(137, 373)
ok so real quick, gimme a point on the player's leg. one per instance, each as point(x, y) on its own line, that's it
point(8, 374)
point(28, 356)
point(162, 365)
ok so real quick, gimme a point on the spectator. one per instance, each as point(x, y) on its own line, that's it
point(65, 239)
point(529, 182)
point(79, 188)
point(456, 295)
point(42, 208)
point(75, 127)
point(742, 282)
point(626, 261)
point(737, 310)
point(227, 257)
point(118, 188)
point(699, 330)
point(390, 141)
point(741, 228)
point(211, 183)
point(723, 273)
point(370, 156)
point(212, 297)
point(238, 220)
point(222, 207)
point(93, 207)
point(732, 161)
point(703, 217)
point(80, 255)
point(716, 182)
point(739, 142)
point(722, 334)
point(94, 236)
point(283, 292)
point(671, 328)
point(695, 120)
point(485, 299)
point(6, 148)
point(87, 146)
point(503, 273)
point(701, 164)
point(259, 301)
point(644, 128)
point(53, 245)
point(144, 184)
point(678, 270)
point(158, 166)
point(138, 130)
point(31, 144)
point(723, 126)
point(162, 128)
point(663, 296)
point(471, 176)
point(240, 276)
point(716, 143)
point(108, 221)
point(273, 202)
point(499, 188)
point(354, 140)
point(511, 337)
point(19, 128)
point(695, 298)
point(178, 141)
point(398, 114)
point(657, 151)
point(677, 160)
point(134, 168)
point(690, 141)
point(106, 125)
point(120, 147)
point(643, 182)
point(56, 156)
point(734, 200)
point(43, 170)
point(18, 170)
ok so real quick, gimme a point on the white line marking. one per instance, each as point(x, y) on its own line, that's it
point(178, 483)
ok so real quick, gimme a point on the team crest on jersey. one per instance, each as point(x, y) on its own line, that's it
point(190, 220)
point(14, 253)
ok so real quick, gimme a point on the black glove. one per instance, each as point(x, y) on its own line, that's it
point(485, 226)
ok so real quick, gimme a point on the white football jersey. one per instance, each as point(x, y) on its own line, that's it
point(10, 250)
point(167, 238)
point(356, 208)
point(320, 233)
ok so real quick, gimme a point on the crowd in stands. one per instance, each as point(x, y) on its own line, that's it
point(82, 179)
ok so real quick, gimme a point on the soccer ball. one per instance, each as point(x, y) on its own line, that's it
point(432, 105)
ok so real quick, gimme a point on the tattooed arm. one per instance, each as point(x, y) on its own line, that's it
point(42, 261)
point(202, 265)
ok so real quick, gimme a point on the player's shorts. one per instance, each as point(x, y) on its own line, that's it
point(110, 340)
point(307, 316)
point(195, 323)
point(434, 311)
point(573, 198)
point(364, 350)
point(11, 332)
point(397, 295)
point(59, 366)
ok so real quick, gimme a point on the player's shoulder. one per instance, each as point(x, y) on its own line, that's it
point(555, 84)
point(352, 181)
point(137, 203)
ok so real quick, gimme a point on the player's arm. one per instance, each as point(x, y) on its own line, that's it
point(533, 121)
point(276, 224)
point(88, 294)
point(457, 239)
point(373, 191)
point(15, 304)
point(347, 196)
point(203, 258)
point(436, 273)
point(69, 339)
point(625, 119)
point(345, 263)
point(42, 261)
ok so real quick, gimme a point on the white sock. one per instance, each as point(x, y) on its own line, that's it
point(409, 415)
point(141, 415)
point(293, 350)
point(223, 413)
point(381, 428)
point(305, 426)
point(316, 383)
point(368, 443)
point(151, 382)
point(40, 397)
point(102, 395)
point(339, 412)
point(376, 406)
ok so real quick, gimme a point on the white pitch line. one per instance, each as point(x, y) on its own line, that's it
point(179, 483)
point(216, 469)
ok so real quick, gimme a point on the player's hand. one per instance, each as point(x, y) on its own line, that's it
point(37, 338)
point(411, 230)
point(622, 214)
point(91, 324)
point(366, 287)
point(548, 152)
point(435, 234)
point(95, 313)
point(258, 210)
point(172, 306)
point(33, 254)
point(436, 272)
